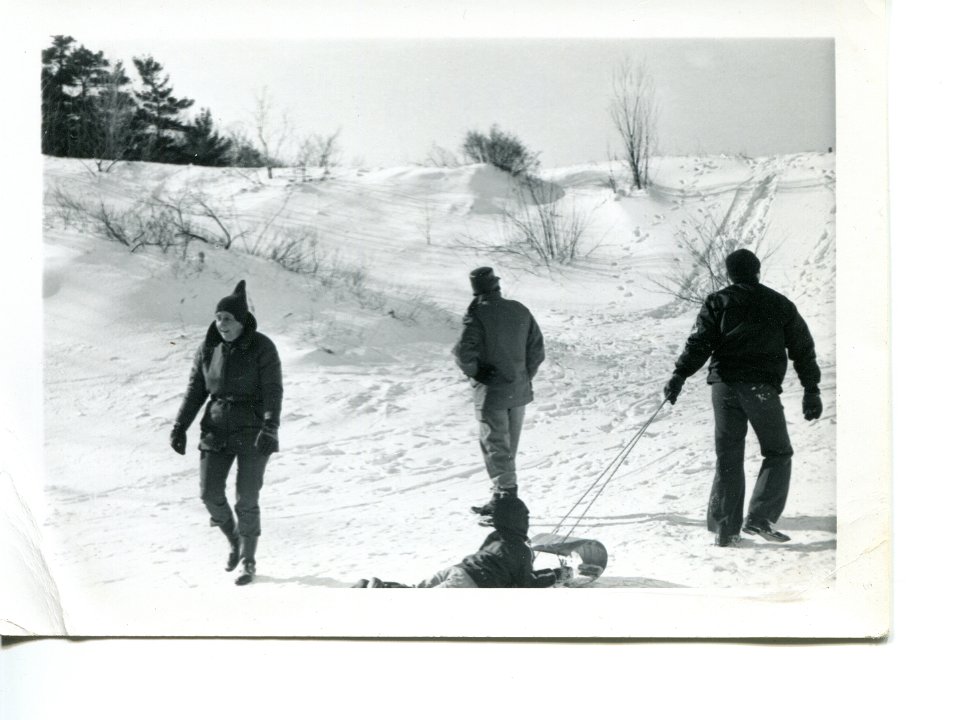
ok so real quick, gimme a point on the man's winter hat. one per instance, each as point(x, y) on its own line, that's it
point(236, 303)
point(510, 515)
point(742, 265)
point(483, 280)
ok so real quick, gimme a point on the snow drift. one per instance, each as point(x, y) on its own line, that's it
point(379, 460)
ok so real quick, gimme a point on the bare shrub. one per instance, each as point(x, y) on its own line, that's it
point(67, 208)
point(175, 221)
point(541, 228)
point(156, 221)
point(537, 226)
point(299, 250)
point(706, 245)
point(133, 227)
point(193, 218)
point(295, 249)
point(442, 158)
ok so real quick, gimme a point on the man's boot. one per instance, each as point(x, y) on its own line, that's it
point(233, 537)
point(488, 508)
point(248, 556)
point(764, 529)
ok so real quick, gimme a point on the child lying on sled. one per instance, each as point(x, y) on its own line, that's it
point(504, 559)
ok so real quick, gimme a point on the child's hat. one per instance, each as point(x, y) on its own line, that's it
point(510, 515)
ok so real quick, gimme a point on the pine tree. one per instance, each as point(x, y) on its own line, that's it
point(202, 145)
point(90, 73)
point(158, 120)
point(84, 105)
point(56, 103)
point(243, 152)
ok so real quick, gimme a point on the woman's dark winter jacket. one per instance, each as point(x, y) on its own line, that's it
point(748, 331)
point(243, 380)
point(500, 349)
point(505, 561)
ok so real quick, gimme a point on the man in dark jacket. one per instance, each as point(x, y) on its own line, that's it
point(748, 331)
point(504, 560)
point(500, 350)
point(238, 369)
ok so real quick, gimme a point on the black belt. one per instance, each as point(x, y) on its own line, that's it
point(233, 399)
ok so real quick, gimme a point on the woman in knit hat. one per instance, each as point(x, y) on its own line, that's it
point(238, 370)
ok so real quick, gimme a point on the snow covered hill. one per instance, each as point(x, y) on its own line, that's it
point(379, 460)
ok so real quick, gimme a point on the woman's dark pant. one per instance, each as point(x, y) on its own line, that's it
point(213, 470)
point(736, 404)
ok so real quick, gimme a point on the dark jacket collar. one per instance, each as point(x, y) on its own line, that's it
point(488, 296)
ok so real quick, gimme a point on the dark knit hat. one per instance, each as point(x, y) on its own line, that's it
point(236, 303)
point(483, 280)
point(742, 265)
point(510, 515)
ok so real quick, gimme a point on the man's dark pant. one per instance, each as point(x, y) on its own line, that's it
point(214, 469)
point(736, 404)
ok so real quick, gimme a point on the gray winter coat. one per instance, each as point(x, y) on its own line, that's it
point(500, 350)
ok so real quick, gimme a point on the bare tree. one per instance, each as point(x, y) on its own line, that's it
point(112, 128)
point(271, 132)
point(633, 110)
point(319, 151)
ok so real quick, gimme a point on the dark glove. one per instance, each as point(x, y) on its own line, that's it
point(562, 574)
point(177, 439)
point(485, 374)
point(673, 387)
point(267, 441)
point(812, 404)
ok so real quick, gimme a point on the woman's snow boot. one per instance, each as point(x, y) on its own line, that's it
point(233, 537)
point(248, 556)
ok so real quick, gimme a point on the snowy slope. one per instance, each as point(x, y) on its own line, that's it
point(379, 458)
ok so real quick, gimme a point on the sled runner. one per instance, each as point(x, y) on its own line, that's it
point(588, 558)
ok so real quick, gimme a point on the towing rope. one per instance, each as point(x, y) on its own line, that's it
point(609, 472)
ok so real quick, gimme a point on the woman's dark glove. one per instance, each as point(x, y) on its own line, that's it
point(177, 439)
point(267, 441)
point(812, 404)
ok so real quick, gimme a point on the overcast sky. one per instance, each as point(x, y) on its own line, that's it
point(394, 99)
